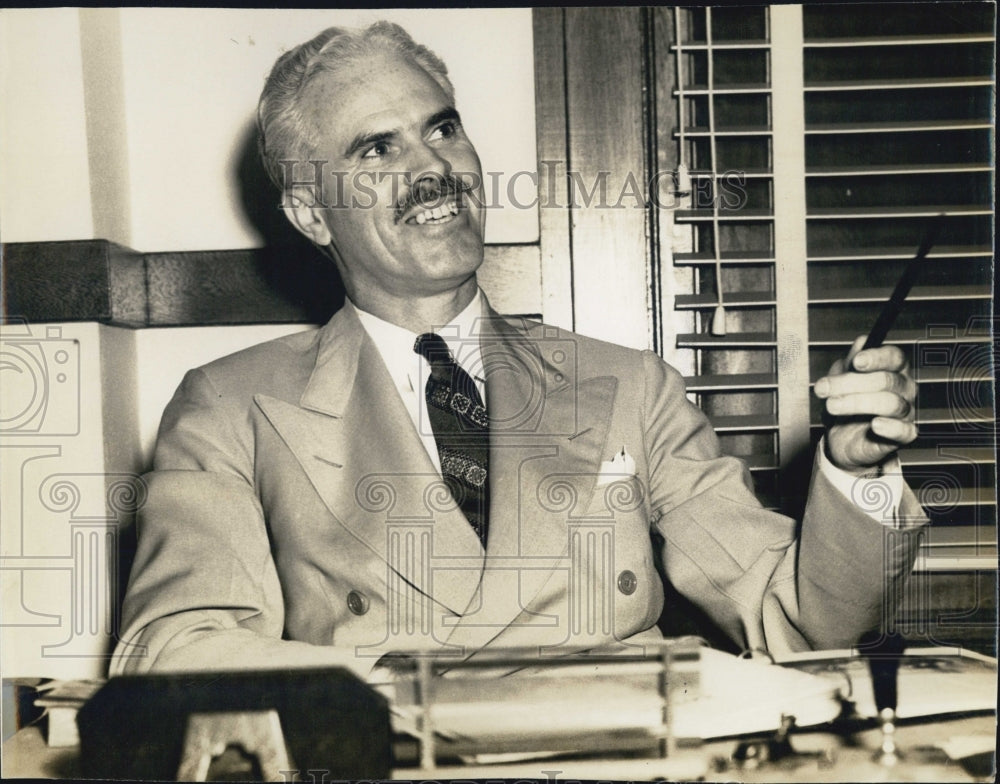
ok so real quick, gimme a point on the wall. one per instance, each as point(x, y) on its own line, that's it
point(44, 173)
point(153, 114)
point(63, 502)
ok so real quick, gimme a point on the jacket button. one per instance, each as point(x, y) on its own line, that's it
point(357, 602)
point(627, 582)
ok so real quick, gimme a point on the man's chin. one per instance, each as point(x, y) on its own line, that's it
point(455, 267)
point(460, 251)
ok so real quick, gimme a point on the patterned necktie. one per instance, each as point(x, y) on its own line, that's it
point(461, 431)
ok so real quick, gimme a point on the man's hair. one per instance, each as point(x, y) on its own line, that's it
point(284, 130)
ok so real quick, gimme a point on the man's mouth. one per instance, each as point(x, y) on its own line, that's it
point(432, 200)
point(431, 215)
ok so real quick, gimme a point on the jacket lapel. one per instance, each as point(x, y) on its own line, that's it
point(355, 441)
point(547, 440)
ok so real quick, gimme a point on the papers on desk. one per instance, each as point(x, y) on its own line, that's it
point(617, 704)
point(740, 696)
point(931, 681)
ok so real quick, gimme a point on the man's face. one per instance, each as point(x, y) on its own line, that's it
point(393, 137)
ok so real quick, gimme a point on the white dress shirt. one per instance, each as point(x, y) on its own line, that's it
point(409, 371)
point(878, 497)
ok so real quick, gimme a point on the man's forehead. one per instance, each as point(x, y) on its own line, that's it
point(384, 87)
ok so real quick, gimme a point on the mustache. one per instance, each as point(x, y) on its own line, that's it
point(430, 191)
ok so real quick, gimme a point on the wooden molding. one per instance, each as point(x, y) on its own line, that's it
point(97, 280)
point(607, 167)
point(74, 280)
point(255, 286)
point(552, 139)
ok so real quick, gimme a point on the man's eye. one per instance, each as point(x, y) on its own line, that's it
point(377, 150)
point(445, 130)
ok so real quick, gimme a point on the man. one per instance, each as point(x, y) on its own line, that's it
point(297, 514)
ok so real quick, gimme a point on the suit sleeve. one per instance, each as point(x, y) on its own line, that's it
point(204, 591)
point(766, 581)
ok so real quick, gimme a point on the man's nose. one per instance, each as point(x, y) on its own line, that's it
point(428, 162)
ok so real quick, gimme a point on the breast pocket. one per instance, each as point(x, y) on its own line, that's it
point(617, 499)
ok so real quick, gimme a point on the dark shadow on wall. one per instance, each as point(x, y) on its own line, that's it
point(291, 264)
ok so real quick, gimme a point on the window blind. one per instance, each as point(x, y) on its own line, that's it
point(724, 137)
point(850, 127)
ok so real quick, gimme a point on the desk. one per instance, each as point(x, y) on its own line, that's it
point(25, 755)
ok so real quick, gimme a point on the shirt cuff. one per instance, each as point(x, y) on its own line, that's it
point(878, 497)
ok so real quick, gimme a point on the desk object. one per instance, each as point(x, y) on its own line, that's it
point(884, 654)
point(606, 717)
point(930, 681)
point(946, 705)
point(154, 727)
point(655, 705)
point(61, 700)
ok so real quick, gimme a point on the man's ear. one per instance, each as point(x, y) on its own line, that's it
point(301, 209)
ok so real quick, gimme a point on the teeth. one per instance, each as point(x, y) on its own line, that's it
point(445, 211)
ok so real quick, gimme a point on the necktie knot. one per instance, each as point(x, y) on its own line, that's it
point(432, 347)
point(444, 368)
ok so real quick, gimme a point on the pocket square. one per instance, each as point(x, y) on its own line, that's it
point(620, 466)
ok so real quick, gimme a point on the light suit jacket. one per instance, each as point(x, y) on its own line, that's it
point(294, 518)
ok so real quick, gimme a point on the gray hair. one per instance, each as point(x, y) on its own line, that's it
point(284, 132)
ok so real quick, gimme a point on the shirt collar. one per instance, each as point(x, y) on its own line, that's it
point(395, 343)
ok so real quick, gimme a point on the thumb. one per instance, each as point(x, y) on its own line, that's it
point(859, 341)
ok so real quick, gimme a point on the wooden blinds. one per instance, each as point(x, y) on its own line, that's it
point(899, 108)
point(819, 142)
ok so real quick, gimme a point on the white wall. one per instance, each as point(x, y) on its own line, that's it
point(44, 174)
point(167, 151)
point(62, 501)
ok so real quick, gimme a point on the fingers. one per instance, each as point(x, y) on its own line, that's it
point(898, 431)
point(856, 445)
point(867, 383)
point(881, 358)
point(869, 398)
point(879, 404)
point(838, 367)
point(859, 341)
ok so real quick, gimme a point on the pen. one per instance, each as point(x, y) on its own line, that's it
point(891, 308)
